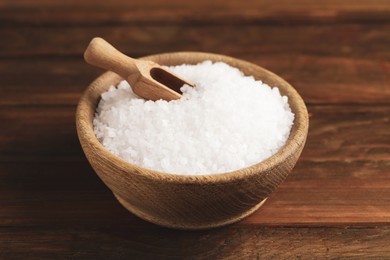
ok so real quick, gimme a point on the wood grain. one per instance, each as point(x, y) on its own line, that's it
point(201, 12)
point(57, 81)
point(60, 81)
point(330, 194)
point(337, 152)
point(226, 243)
point(64, 194)
point(337, 133)
point(38, 134)
point(349, 133)
point(336, 53)
point(333, 156)
point(351, 40)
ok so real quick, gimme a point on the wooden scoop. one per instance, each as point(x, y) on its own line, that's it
point(147, 79)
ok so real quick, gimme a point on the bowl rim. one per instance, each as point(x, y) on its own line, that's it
point(295, 140)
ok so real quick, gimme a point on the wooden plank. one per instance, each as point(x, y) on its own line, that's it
point(56, 81)
point(327, 80)
point(337, 133)
point(358, 41)
point(348, 133)
point(342, 178)
point(330, 194)
point(266, 5)
point(39, 133)
point(62, 194)
point(203, 11)
point(223, 243)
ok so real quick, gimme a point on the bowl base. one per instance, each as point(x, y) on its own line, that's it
point(187, 226)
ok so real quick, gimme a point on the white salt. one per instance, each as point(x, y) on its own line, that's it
point(227, 122)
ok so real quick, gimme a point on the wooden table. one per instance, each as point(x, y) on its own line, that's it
point(335, 203)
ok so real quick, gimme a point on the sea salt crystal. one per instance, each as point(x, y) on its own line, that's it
point(227, 122)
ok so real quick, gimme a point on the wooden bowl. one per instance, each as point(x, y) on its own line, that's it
point(191, 202)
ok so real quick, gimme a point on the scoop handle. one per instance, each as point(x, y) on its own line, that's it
point(103, 55)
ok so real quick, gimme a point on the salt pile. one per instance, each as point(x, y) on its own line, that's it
point(227, 122)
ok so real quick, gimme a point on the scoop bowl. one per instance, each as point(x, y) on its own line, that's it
point(191, 202)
